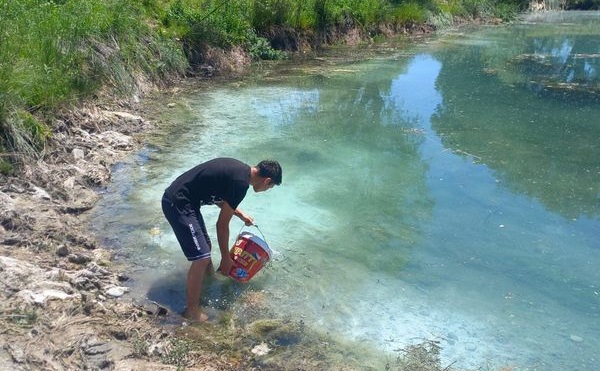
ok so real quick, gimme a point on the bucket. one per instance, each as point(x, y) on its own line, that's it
point(249, 254)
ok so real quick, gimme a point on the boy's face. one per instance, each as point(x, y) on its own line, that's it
point(264, 185)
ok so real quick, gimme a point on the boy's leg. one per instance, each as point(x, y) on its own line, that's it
point(194, 283)
point(188, 226)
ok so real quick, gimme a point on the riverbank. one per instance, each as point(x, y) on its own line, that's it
point(61, 306)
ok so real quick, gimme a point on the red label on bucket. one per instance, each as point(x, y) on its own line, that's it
point(249, 255)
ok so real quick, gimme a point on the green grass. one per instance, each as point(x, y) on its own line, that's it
point(54, 53)
point(410, 13)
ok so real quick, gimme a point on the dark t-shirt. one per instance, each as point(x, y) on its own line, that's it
point(221, 179)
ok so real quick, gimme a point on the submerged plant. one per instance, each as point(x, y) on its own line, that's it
point(178, 352)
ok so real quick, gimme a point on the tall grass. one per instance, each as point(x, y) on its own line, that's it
point(56, 52)
point(247, 23)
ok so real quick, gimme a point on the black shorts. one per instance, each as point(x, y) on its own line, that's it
point(189, 228)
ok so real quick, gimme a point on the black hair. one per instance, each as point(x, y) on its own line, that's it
point(270, 169)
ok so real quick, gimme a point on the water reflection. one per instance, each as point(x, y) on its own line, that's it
point(564, 59)
point(360, 154)
point(546, 145)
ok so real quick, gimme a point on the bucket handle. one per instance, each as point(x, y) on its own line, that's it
point(255, 226)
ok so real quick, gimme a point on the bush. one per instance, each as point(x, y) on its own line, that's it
point(23, 135)
point(410, 13)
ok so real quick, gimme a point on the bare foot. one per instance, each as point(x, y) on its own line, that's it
point(196, 316)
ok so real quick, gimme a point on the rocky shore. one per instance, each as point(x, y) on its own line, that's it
point(63, 303)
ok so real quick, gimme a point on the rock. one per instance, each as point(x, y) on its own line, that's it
point(471, 347)
point(575, 338)
point(17, 353)
point(69, 183)
point(261, 349)
point(40, 193)
point(78, 153)
point(9, 240)
point(126, 116)
point(62, 251)
point(116, 140)
point(117, 291)
point(97, 354)
point(151, 307)
point(31, 283)
point(157, 349)
point(41, 297)
point(16, 274)
point(79, 258)
point(96, 269)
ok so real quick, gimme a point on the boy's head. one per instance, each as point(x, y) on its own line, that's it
point(270, 169)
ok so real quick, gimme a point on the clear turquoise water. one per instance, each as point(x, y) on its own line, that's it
point(445, 190)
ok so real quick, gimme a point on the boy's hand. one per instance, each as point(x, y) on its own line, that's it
point(226, 265)
point(247, 219)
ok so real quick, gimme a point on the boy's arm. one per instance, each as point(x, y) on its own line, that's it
point(223, 236)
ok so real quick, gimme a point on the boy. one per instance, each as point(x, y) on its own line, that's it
point(222, 182)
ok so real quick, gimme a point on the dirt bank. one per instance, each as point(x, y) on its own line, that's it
point(62, 304)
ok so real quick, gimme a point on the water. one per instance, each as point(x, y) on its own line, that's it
point(445, 190)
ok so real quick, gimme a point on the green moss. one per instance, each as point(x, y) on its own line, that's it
point(278, 332)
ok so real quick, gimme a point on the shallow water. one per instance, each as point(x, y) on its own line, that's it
point(445, 190)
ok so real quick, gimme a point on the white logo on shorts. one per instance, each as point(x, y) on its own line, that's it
point(193, 232)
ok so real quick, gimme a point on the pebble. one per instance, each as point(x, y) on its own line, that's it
point(79, 259)
point(471, 347)
point(78, 153)
point(117, 291)
point(261, 349)
point(575, 338)
point(62, 251)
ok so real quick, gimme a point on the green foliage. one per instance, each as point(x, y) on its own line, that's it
point(23, 317)
point(209, 22)
point(420, 357)
point(446, 11)
point(6, 167)
point(450, 8)
point(272, 13)
point(410, 13)
point(179, 351)
point(477, 8)
point(506, 11)
point(226, 24)
point(22, 133)
point(365, 12)
point(259, 48)
point(56, 52)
